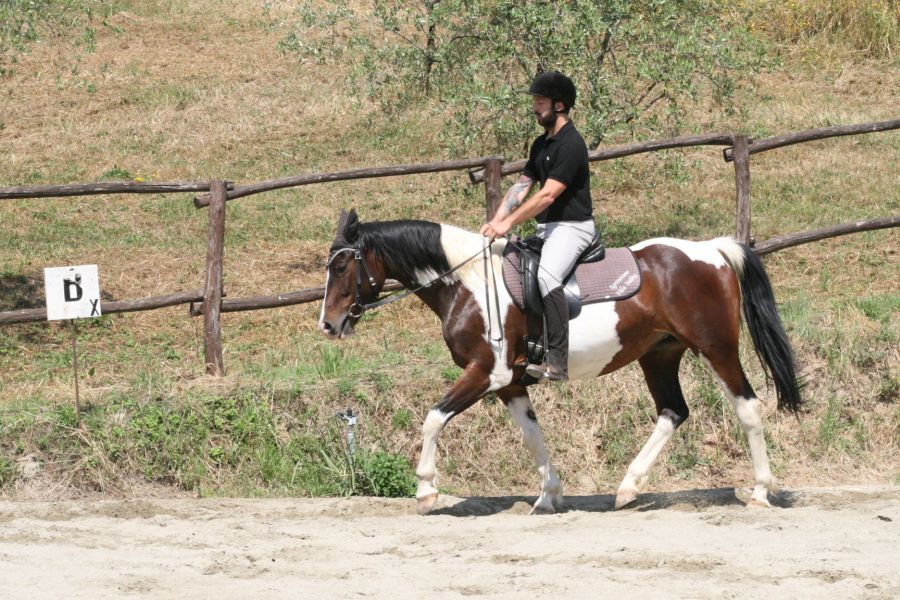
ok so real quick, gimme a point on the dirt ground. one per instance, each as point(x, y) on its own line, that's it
point(818, 543)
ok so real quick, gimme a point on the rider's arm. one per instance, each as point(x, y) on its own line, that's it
point(501, 224)
point(513, 199)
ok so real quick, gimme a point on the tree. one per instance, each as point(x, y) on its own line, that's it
point(637, 65)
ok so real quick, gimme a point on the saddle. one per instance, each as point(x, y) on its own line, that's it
point(599, 275)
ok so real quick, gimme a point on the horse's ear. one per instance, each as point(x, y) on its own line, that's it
point(342, 222)
point(351, 226)
point(348, 228)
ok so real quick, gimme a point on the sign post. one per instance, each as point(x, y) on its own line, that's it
point(73, 293)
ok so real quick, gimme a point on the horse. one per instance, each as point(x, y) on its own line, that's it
point(691, 297)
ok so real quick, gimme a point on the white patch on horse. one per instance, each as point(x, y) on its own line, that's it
point(459, 246)
point(327, 280)
point(593, 340)
point(699, 251)
point(429, 275)
point(732, 251)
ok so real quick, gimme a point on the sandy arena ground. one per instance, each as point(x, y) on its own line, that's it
point(819, 543)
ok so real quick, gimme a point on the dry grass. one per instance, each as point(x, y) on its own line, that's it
point(198, 90)
point(829, 29)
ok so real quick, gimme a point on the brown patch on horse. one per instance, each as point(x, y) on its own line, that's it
point(654, 313)
point(514, 330)
point(462, 324)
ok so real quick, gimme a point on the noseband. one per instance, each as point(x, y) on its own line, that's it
point(358, 307)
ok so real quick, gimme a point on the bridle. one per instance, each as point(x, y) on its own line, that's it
point(358, 304)
point(358, 307)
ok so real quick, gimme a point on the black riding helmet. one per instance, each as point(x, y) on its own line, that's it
point(554, 85)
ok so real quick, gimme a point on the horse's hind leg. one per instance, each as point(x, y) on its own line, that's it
point(519, 405)
point(660, 367)
point(728, 370)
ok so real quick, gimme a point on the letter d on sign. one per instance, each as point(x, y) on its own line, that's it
point(68, 284)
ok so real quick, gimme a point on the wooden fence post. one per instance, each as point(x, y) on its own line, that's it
point(742, 181)
point(492, 179)
point(212, 295)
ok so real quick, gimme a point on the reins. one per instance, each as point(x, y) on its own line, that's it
point(487, 300)
point(359, 307)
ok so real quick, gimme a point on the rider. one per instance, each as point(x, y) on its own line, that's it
point(562, 207)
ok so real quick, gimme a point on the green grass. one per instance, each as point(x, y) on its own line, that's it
point(163, 96)
point(242, 443)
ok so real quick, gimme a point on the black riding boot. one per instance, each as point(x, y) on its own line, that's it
point(556, 313)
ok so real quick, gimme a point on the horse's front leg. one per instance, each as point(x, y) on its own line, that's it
point(471, 386)
point(519, 405)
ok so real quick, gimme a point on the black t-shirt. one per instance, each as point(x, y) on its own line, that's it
point(564, 158)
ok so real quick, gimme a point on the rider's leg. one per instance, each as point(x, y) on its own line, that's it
point(564, 242)
point(556, 313)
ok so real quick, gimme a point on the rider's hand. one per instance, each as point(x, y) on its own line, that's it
point(495, 229)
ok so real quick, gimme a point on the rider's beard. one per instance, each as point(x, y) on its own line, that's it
point(546, 119)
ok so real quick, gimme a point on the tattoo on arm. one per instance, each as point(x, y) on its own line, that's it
point(512, 200)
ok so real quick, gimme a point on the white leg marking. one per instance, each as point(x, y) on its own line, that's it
point(426, 493)
point(749, 413)
point(551, 491)
point(639, 468)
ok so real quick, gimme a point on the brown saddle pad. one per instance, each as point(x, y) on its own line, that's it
point(616, 277)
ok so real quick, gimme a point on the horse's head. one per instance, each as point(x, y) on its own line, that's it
point(351, 279)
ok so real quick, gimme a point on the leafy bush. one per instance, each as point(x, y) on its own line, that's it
point(389, 476)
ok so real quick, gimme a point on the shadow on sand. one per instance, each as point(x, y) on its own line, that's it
point(685, 500)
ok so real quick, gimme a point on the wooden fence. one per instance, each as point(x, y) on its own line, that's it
point(209, 301)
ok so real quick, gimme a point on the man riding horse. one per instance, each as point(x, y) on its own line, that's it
point(690, 300)
point(562, 207)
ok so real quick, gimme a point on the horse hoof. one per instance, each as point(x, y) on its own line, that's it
point(757, 503)
point(625, 497)
point(542, 509)
point(426, 503)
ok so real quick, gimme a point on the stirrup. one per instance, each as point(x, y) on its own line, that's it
point(545, 373)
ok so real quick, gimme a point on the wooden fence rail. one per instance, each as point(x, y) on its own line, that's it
point(104, 187)
point(811, 135)
point(295, 181)
point(610, 152)
point(795, 239)
point(31, 315)
point(210, 302)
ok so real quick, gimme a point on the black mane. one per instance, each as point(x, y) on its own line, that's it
point(405, 246)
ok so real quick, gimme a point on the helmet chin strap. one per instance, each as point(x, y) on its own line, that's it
point(554, 113)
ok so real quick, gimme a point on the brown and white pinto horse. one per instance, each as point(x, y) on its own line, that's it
point(691, 298)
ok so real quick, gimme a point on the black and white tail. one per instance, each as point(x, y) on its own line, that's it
point(763, 321)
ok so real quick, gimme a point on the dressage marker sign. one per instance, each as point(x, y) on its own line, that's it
point(72, 292)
